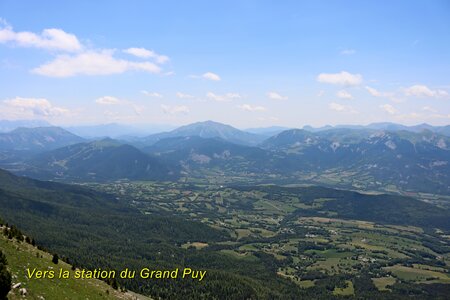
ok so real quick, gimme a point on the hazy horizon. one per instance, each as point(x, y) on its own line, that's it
point(167, 127)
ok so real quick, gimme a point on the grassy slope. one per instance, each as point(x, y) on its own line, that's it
point(21, 256)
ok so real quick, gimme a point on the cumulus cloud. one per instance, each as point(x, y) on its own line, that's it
point(78, 59)
point(49, 39)
point(341, 108)
point(175, 109)
point(92, 63)
point(151, 94)
point(31, 107)
point(419, 90)
point(108, 100)
point(211, 76)
point(343, 94)
point(342, 78)
point(145, 53)
point(389, 109)
point(223, 98)
point(248, 107)
point(276, 96)
point(184, 96)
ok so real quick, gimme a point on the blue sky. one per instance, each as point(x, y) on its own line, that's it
point(245, 63)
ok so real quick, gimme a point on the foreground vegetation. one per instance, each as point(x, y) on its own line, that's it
point(21, 254)
point(256, 242)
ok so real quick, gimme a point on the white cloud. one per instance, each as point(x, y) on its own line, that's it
point(374, 92)
point(378, 94)
point(248, 107)
point(144, 53)
point(124, 105)
point(429, 109)
point(211, 76)
point(342, 78)
point(184, 96)
point(84, 61)
point(276, 96)
point(223, 98)
point(140, 52)
point(389, 109)
point(341, 108)
point(92, 63)
point(176, 109)
point(419, 90)
point(348, 52)
point(343, 94)
point(31, 107)
point(49, 39)
point(320, 93)
point(108, 100)
point(151, 94)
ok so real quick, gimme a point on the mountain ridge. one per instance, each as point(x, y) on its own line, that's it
point(37, 139)
point(106, 159)
point(208, 129)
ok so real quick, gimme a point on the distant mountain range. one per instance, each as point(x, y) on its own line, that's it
point(37, 139)
point(444, 130)
point(194, 154)
point(9, 125)
point(99, 160)
point(114, 130)
point(407, 160)
point(137, 131)
point(267, 131)
point(208, 129)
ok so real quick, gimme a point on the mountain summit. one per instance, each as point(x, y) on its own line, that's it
point(37, 139)
point(209, 129)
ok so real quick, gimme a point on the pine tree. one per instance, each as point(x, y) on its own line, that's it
point(5, 277)
point(55, 259)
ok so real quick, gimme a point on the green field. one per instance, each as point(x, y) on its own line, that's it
point(257, 223)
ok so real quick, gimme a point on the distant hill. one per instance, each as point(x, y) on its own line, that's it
point(114, 130)
point(381, 208)
point(37, 139)
point(208, 129)
point(267, 131)
point(193, 152)
point(407, 159)
point(99, 160)
point(444, 130)
point(9, 125)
